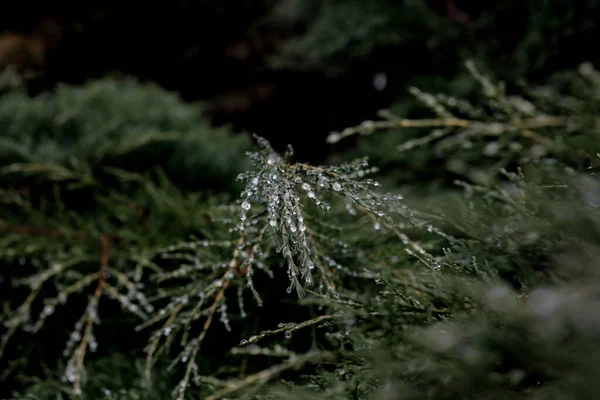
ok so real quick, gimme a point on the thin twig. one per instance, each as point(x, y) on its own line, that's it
point(234, 265)
point(269, 373)
point(104, 257)
point(368, 127)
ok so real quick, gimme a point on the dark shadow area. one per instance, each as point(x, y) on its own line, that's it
point(218, 53)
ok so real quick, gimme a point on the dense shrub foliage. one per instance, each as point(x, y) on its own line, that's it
point(449, 252)
point(318, 275)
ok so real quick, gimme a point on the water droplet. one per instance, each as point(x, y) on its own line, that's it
point(380, 81)
point(336, 186)
point(246, 206)
point(305, 186)
point(288, 334)
point(333, 137)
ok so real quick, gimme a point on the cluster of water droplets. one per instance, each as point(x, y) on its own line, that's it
point(278, 189)
point(48, 310)
point(255, 350)
point(282, 190)
point(255, 338)
point(35, 281)
point(188, 350)
point(223, 316)
point(83, 326)
point(240, 297)
point(133, 301)
point(74, 337)
point(71, 371)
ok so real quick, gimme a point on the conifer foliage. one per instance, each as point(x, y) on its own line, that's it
point(148, 255)
point(482, 292)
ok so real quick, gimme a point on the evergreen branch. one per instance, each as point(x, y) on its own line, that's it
point(91, 316)
point(14, 323)
point(390, 325)
point(153, 345)
point(54, 172)
point(81, 351)
point(31, 231)
point(63, 295)
point(264, 376)
point(287, 328)
point(226, 280)
point(526, 125)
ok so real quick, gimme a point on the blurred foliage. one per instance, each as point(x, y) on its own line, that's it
point(122, 124)
point(518, 37)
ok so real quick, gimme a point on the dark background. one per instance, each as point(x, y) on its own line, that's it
point(218, 52)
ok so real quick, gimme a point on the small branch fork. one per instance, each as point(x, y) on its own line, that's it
point(234, 266)
point(104, 257)
point(105, 241)
point(235, 269)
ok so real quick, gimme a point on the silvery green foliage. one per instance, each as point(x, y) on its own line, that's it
point(284, 214)
point(477, 137)
point(111, 122)
point(63, 263)
point(281, 194)
point(487, 291)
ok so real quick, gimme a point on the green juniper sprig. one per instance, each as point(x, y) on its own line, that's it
point(279, 216)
